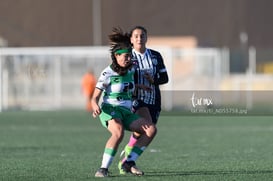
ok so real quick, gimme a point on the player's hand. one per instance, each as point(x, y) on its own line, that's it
point(149, 77)
point(144, 87)
point(96, 111)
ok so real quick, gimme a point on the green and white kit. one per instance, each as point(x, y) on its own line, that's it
point(117, 97)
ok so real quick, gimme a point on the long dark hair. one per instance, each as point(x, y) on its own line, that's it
point(135, 28)
point(119, 41)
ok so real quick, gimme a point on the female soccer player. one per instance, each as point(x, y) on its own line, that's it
point(117, 83)
point(150, 73)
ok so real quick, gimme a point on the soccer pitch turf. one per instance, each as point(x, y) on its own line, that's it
point(68, 145)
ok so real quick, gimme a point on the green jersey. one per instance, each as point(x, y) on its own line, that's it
point(118, 89)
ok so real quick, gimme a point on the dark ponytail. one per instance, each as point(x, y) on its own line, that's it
point(119, 41)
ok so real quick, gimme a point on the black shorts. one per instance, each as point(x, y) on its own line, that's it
point(153, 109)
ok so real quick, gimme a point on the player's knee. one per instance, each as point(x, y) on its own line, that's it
point(118, 134)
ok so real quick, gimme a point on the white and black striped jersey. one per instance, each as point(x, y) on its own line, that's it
point(151, 62)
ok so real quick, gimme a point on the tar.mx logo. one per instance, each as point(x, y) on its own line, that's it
point(200, 101)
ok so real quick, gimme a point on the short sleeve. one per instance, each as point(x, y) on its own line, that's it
point(103, 80)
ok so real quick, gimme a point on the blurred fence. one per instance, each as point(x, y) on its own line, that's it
point(50, 78)
point(47, 78)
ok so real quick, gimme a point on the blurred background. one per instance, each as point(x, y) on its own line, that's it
point(217, 50)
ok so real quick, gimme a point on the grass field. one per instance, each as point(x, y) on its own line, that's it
point(68, 145)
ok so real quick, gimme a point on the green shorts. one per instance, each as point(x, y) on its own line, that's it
point(109, 112)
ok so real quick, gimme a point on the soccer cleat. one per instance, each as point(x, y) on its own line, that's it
point(124, 153)
point(102, 172)
point(127, 150)
point(130, 166)
point(121, 171)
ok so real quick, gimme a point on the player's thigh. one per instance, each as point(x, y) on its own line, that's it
point(141, 125)
point(145, 113)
